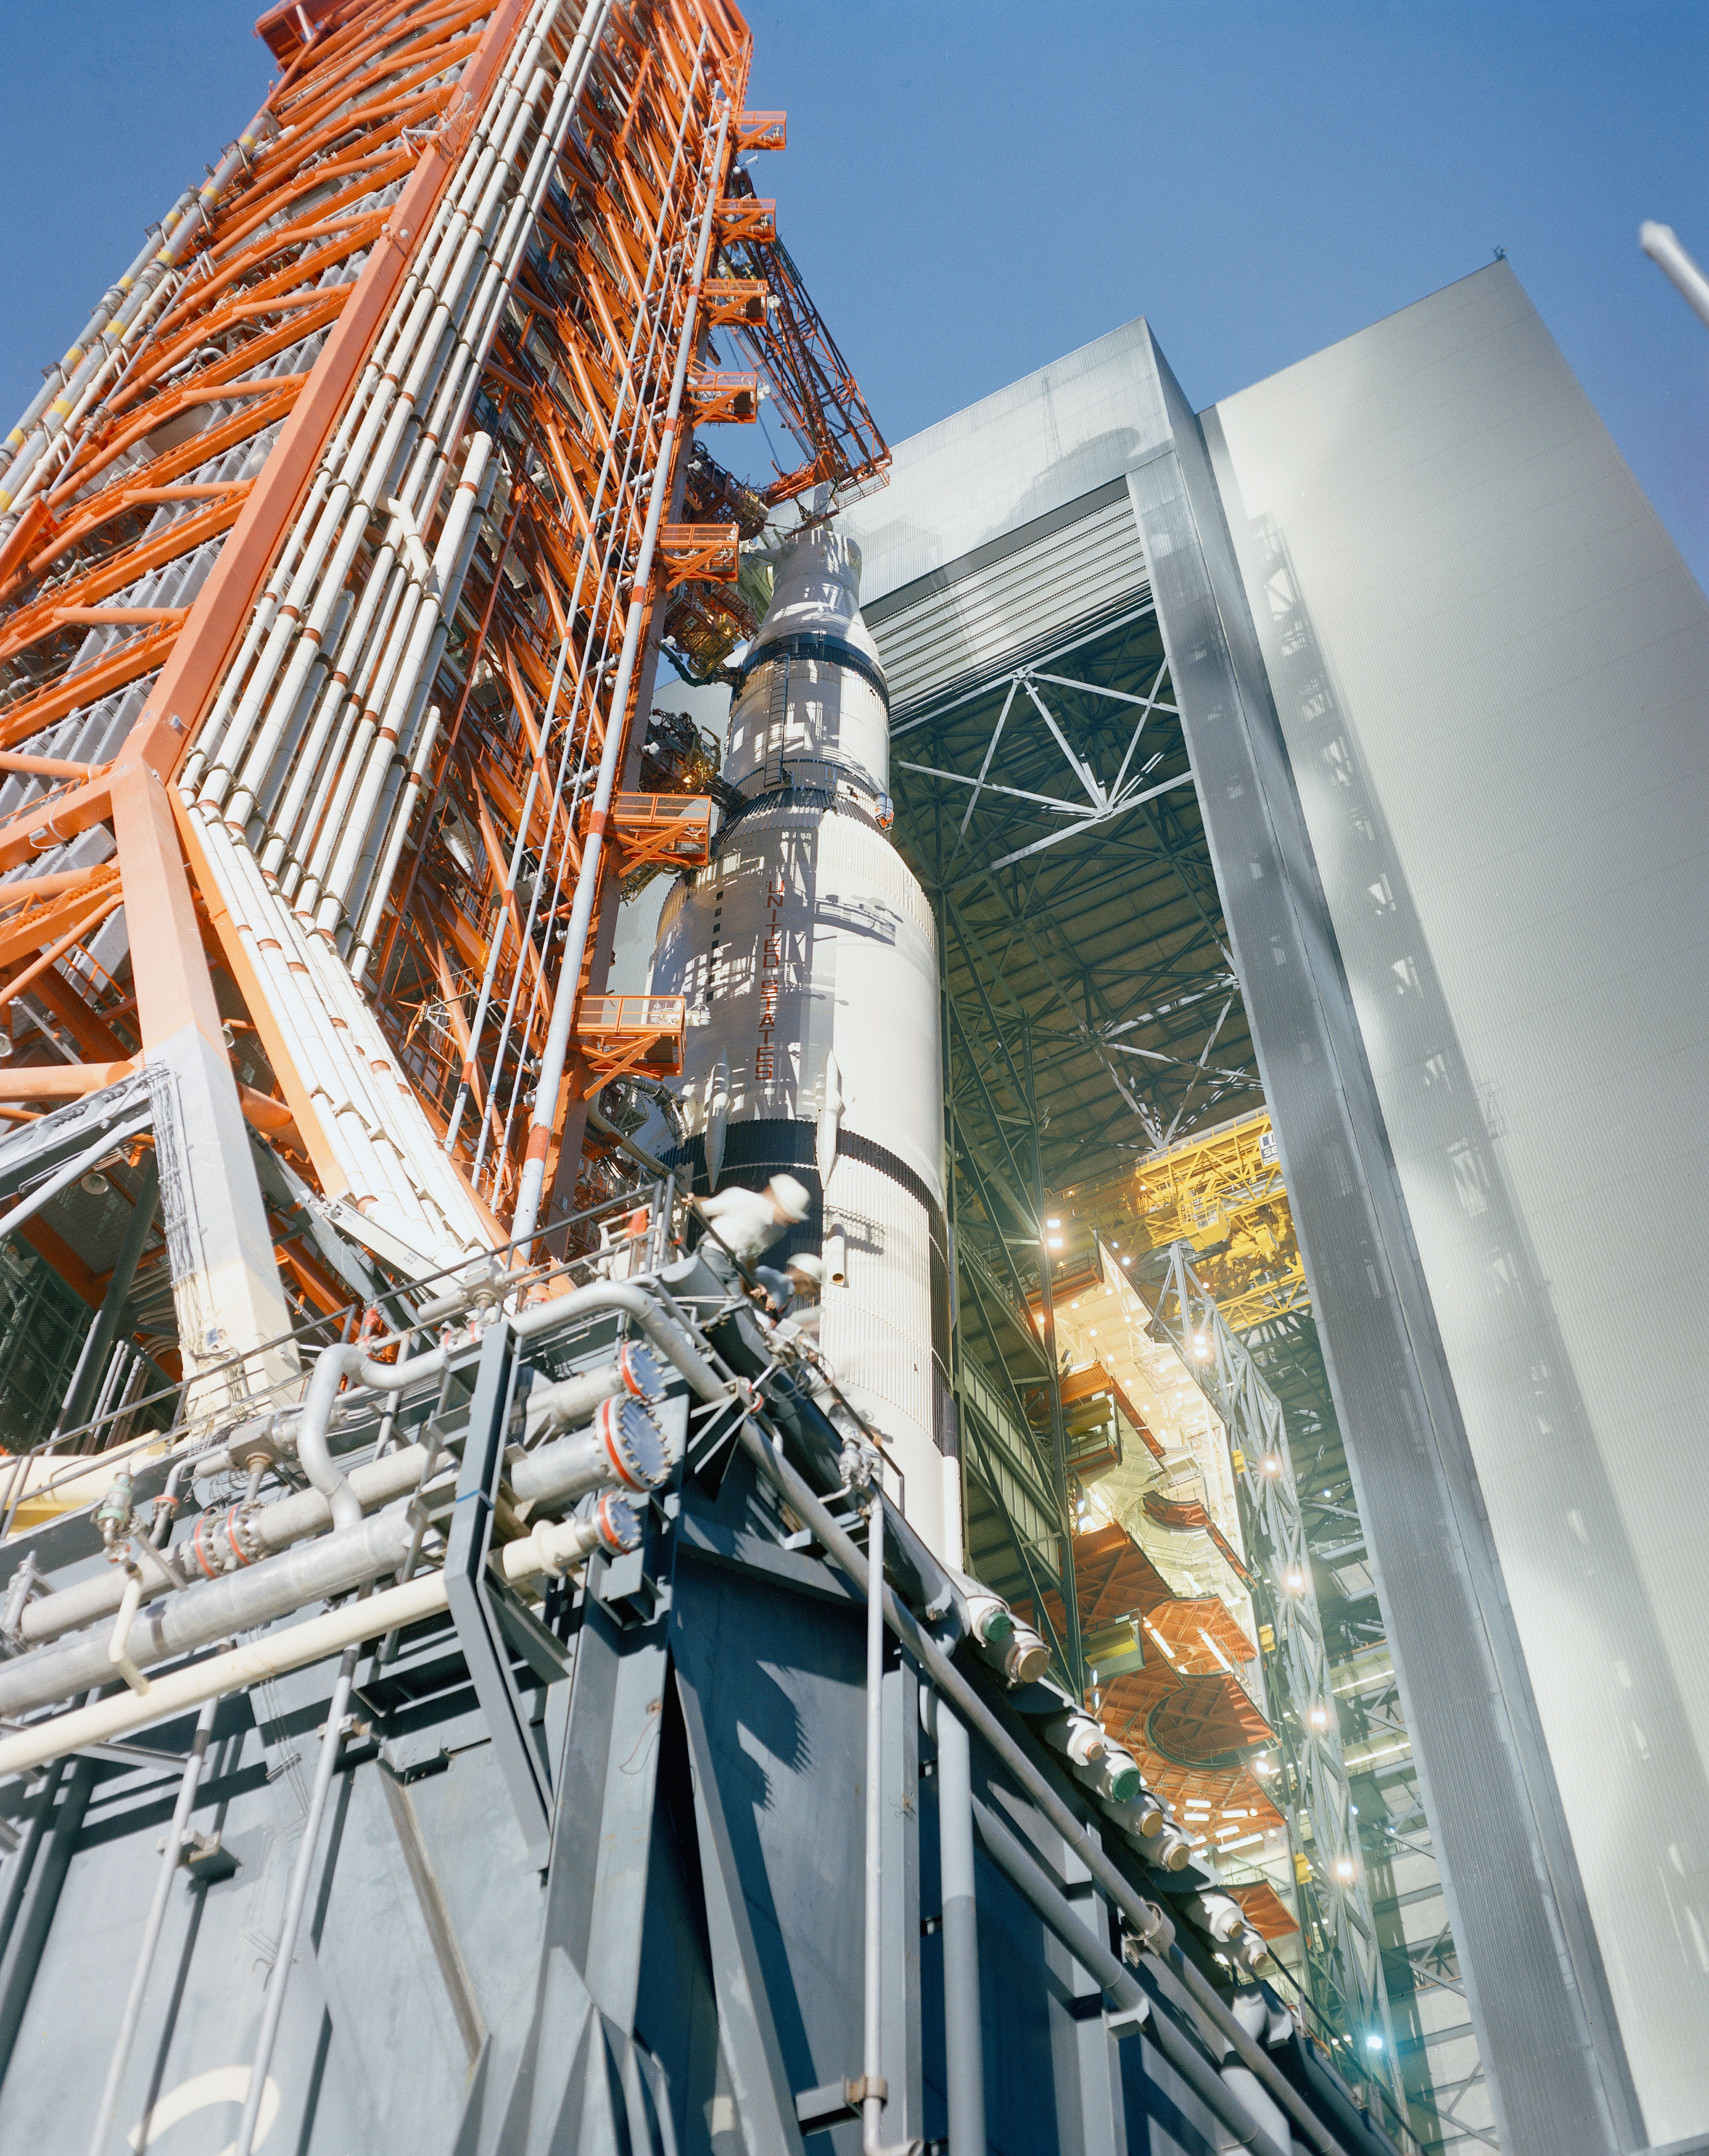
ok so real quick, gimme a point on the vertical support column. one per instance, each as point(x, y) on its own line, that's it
point(899, 1842)
point(1058, 1432)
point(955, 1473)
point(1103, 2107)
point(225, 1280)
point(963, 2038)
point(40, 1900)
point(98, 1343)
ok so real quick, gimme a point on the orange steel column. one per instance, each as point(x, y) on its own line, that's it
point(225, 1280)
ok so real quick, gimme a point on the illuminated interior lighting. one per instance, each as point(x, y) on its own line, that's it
point(1159, 1638)
point(1217, 1651)
point(1343, 1867)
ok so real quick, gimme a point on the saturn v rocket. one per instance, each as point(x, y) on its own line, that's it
point(807, 955)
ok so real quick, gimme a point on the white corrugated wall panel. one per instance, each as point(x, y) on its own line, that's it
point(1029, 597)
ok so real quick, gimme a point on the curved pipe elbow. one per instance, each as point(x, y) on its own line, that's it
point(313, 1453)
point(664, 1333)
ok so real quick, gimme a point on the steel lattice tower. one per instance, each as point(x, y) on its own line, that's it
point(335, 557)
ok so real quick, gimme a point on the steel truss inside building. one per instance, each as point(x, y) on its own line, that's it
point(1092, 1010)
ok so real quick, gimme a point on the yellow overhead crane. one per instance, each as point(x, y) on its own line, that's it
point(1222, 1191)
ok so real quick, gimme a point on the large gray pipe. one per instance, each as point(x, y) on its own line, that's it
point(200, 1615)
point(621, 1445)
point(964, 2052)
point(572, 1399)
point(261, 1531)
point(621, 1449)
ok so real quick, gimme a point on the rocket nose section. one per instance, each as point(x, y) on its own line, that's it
point(816, 591)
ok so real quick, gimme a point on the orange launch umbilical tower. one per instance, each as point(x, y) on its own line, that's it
point(336, 560)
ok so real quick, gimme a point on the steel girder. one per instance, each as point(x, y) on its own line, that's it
point(1337, 1922)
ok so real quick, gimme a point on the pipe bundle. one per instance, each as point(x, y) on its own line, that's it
point(309, 767)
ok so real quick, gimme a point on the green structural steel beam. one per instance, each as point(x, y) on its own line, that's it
point(1336, 1918)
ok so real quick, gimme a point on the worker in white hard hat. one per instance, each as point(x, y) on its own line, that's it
point(803, 1275)
point(750, 1221)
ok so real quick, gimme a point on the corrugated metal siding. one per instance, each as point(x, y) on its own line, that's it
point(1090, 569)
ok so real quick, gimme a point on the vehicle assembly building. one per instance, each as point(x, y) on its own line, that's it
point(848, 1295)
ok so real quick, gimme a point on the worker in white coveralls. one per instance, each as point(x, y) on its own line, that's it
point(749, 1221)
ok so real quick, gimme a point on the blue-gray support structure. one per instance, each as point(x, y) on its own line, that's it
point(590, 1861)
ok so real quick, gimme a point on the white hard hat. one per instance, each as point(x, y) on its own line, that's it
point(790, 1197)
point(809, 1268)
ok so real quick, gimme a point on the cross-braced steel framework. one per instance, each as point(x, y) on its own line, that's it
point(1090, 1000)
point(328, 566)
point(1091, 1011)
point(1436, 2044)
point(1337, 1922)
point(1115, 947)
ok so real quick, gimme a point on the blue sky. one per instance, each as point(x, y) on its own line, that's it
point(974, 188)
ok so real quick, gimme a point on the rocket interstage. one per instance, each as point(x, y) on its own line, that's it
point(809, 953)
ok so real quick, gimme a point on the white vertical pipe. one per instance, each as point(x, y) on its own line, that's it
point(425, 355)
point(496, 943)
point(872, 1989)
point(551, 1078)
point(964, 2042)
point(413, 634)
point(375, 439)
point(394, 848)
